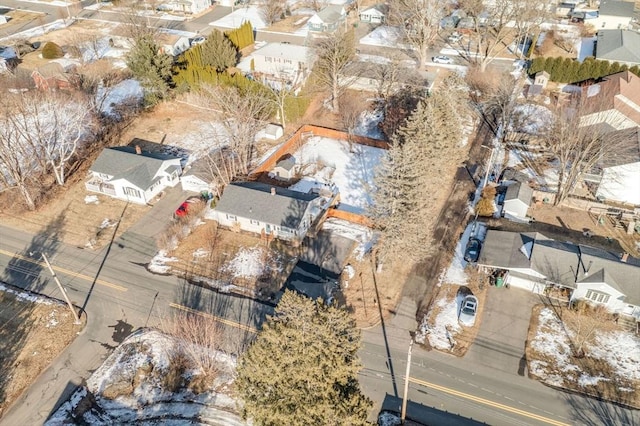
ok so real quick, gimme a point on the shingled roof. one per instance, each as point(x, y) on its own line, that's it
point(255, 200)
point(123, 163)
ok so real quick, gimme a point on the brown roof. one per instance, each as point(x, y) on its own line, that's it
point(52, 69)
point(620, 91)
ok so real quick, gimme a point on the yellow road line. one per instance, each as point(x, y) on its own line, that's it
point(488, 402)
point(215, 318)
point(64, 271)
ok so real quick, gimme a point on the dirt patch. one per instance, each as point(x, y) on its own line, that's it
point(32, 336)
point(88, 225)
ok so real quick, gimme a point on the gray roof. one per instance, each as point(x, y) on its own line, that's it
point(561, 262)
point(123, 163)
point(618, 45)
point(253, 200)
point(330, 14)
point(616, 8)
point(519, 191)
point(287, 162)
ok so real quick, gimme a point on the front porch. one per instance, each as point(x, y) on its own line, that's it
point(97, 185)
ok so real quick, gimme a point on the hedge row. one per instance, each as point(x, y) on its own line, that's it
point(567, 70)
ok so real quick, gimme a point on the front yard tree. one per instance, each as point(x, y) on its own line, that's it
point(303, 367)
point(334, 53)
point(423, 153)
point(218, 52)
point(150, 67)
point(420, 20)
point(272, 11)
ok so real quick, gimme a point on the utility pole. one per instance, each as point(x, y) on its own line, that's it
point(406, 384)
point(64, 293)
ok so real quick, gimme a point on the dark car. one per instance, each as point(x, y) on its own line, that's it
point(472, 252)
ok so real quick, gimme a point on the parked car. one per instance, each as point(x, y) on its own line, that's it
point(442, 60)
point(197, 40)
point(467, 315)
point(472, 252)
point(454, 38)
point(186, 207)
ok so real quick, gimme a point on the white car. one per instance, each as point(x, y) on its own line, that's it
point(442, 60)
point(467, 315)
point(198, 40)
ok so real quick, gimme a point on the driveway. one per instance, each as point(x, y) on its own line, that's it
point(503, 330)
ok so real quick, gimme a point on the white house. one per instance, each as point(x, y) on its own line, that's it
point(328, 19)
point(173, 44)
point(537, 263)
point(374, 15)
point(283, 61)
point(186, 6)
point(266, 210)
point(613, 15)
point(517, 201)
point(197, 177)
point(285, 169)
point(130, 174)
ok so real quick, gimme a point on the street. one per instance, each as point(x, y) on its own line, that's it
point(114, 289)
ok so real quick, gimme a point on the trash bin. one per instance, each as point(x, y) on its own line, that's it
point(499, 281)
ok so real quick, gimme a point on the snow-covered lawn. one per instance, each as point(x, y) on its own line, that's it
point(331, 162)
point(133, 379)
point(441, 324)
point(127, 92)
point(368, 124)
point(252, 262)
point(611, 366)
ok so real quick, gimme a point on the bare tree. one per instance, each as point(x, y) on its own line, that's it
point(584, 320)
point(52, 125)
point(498, 109)
point(579, 138)
point(272, 10)
point(242, 116)
point(490, 34)
point(420, 21)
point(16, 169)
point(350, 110)
point(528, 16)
point(334, 54)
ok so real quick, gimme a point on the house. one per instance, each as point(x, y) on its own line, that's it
point(198, 177)
point(374, 77)
point(51, 76)
point(537, 263)
point(186, 6)
point(621, 46)
point(517, 201)
point(328, 19)
point(285, 169)
point(375, 14)
point(280, 61)
point(613, 15)
point(615, 101)
point(130, 174)
point(173, 44)
point(617, 179)
point(266, 210)
point(540, 82)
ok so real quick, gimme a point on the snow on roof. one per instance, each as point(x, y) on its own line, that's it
point(286, 50)
point(384, 36)
point(235, 19)
point(593, 90)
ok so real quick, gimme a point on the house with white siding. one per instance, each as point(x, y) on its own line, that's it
point(536, 263)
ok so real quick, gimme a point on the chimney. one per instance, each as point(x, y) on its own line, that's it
point(273, 190)
point(138, 150)
point(624, 257)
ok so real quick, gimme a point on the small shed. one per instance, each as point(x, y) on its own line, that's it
point(374, 14)
point(197, 177)
point(541, 79)
point(285, 168)
point(273, 132)
point(517, 201)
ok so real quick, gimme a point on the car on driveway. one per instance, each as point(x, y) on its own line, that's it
point(468, 309)
point(442, 60)
point(186, 207)
point(197, 40)
point(472, 252)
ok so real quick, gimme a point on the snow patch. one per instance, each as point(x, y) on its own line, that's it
point(91, 199)
point(158, 263)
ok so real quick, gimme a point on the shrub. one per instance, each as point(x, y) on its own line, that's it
point(52, 51)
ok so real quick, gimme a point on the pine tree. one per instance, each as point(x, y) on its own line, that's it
point(218, 52)
point(150, 67)
point(302, 369)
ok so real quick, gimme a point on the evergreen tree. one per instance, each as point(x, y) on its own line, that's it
point(150, 67)
point(302, 369)
point(218, 52)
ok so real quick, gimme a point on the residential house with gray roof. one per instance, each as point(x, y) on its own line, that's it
point(267, 210)
point(131, 174)
point(328, 19)
point(621, 46)
point(517, 201)
point(614, 14)
point(537, 263)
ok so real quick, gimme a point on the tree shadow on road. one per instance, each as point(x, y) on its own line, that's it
point(594, 411)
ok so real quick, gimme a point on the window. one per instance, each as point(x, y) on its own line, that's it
point(597, 296)
point(232, 217)
point(254, 222)
point(132, 192)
